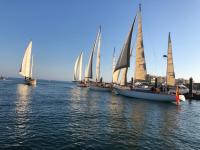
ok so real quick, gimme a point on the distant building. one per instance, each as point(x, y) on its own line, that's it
point(151, 78)
point(182, 81)
point(161, 79)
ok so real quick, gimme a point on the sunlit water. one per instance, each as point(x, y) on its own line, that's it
point(59, 115)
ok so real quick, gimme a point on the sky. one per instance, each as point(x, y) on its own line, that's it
point(61, 29)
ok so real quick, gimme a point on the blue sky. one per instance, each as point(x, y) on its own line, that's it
point(61, 29)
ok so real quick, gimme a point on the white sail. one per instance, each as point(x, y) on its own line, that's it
point(78, 68)
point(140, 64)
point(31, 72)
point(116, 76)
point(26, 62)
point(88, 72)
point(75, 69)
point(89, 67)
point(170, 66)
point(98, 55)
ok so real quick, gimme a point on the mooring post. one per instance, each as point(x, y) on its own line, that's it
point(156, 82)
point(190, 87)
point(131, 80)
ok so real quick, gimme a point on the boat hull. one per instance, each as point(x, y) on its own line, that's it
point(100, 89)
point(148, 95)
point(31, 82)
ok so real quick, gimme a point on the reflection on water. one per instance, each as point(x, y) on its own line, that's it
point(59, 115)
point(22, 108)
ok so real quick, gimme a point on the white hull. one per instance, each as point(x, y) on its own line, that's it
point(148, 95)
point(101, 89)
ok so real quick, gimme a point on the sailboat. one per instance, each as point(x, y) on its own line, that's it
point(140, 71)
point(2, 78)
point(26, 69)
point(98, 85)
point(77, 77)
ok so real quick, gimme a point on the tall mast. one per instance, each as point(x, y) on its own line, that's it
point(170, 66)
point(140, 64)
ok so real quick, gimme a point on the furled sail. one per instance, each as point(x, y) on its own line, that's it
point(78, 68)
point(124, 58)
point(170, 65)
point(25, 69)
point(98, 55)
point(140, 64)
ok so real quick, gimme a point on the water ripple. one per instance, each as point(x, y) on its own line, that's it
point(59, 115)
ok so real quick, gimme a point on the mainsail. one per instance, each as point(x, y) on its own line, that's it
point(78, 68)
point(140, 64)
point(124, 58)
point(25, 69)
point(170, 65)
point(98, 55)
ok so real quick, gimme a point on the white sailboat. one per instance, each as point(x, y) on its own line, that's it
point(77, 77)
point(140, 72)
point(26, 69)
point(99, 85)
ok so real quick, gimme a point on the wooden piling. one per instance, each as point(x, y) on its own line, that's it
point(190, 88)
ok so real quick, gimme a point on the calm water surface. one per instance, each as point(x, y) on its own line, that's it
point(59, 115)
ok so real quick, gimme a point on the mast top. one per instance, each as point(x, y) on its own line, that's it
point(140, 7)
point(169, 38)
point(100, 28)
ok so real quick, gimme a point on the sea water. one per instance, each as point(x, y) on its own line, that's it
point(60, 115)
